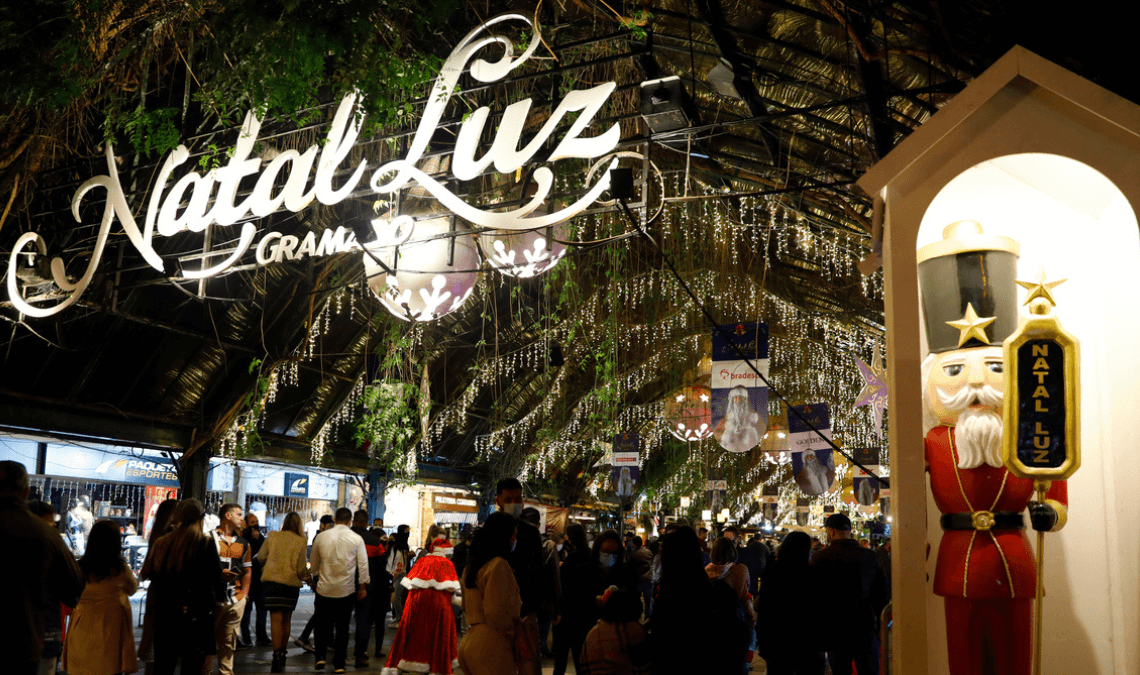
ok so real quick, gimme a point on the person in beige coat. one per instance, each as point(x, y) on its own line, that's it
point(491, 601)
point(284, 570)
point(101, 638)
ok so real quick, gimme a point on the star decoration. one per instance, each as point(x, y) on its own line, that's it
point(874, 393)
point(1041, 289)
point(972, 326)
point(680, 397)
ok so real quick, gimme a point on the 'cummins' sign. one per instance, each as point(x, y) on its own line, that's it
point(197, 200)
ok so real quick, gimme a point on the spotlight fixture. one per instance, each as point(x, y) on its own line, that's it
point(722, 78)
point(661, 104)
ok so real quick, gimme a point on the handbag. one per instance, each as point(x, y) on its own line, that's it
point(526, 639)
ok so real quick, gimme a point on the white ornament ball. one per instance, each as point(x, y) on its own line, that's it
point(524, 254)
point(424, 286)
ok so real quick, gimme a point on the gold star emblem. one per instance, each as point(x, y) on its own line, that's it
point(971, 326)
point(1041, 289)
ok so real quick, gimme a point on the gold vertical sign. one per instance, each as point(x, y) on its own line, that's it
point(1042, 386)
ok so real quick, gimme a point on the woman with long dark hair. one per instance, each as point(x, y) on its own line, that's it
point(284, 571)
point(163, 523)
point(101, 638)
point(185, 571)
point(491, 600)
point(788, 600)
point(689, 610)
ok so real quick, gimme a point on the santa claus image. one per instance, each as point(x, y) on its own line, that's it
point(737, 431)
point(815, 477)
point(985, 568)
point(866, 493)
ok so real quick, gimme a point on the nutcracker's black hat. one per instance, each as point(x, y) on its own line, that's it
point(968, 268)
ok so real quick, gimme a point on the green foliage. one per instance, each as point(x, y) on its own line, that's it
point(149, 131)
point(40, 55)
point(281, 59)
point(636, 22)
point(246, 439)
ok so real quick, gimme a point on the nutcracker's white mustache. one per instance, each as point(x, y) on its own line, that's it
point(968, 396)
point(978, 435)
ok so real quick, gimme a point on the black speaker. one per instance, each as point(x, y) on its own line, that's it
point(555, 359)
point(621, 183)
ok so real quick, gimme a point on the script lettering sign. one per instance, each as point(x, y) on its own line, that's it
point(196, 200)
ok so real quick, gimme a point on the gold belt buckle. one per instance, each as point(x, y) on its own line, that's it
point(982, 520)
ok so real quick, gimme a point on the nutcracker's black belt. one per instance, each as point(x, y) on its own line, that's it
point(983, 521)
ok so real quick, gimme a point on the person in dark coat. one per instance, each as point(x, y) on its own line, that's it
point(186, 578)
point(253, 534)
point(854, 593)
point(577, 554)
point(788, 600)
point(698, 626)
point(43, 567)
point(372, 608)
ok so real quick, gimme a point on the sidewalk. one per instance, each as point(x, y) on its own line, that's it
point(258, 659)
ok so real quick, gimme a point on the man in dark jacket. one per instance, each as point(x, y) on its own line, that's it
point(43, 564)
point(252, 534)
point(854, 593)
point(372, 608)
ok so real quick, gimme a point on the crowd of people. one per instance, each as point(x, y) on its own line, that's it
point(497, 602)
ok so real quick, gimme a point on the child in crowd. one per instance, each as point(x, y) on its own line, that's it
point(617, 644)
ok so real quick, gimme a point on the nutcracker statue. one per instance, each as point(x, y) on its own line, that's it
point(985, 567)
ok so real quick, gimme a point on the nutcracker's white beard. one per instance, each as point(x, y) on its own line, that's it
point(978, 434)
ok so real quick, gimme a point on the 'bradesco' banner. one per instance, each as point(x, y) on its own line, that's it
point(183, 200)
point(739, 396)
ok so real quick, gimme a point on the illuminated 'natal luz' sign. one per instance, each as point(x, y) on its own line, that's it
point(196, 200)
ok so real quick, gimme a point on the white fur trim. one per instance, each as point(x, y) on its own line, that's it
point(445, 552)
point(413, 666)
point(413, 584)
point(390, 671)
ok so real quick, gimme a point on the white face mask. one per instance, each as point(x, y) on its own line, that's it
point(515, 509)
point(558, 547)
point(607, 559)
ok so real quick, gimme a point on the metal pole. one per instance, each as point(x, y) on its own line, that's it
point(1042, 486)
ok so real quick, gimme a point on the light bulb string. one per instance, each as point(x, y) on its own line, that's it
point(728, 338)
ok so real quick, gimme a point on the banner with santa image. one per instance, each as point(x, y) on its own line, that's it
point(627, 455)
point(803, 512)
point(739, 396)
point(716, 486)
point(866, 485)
point(813, 462)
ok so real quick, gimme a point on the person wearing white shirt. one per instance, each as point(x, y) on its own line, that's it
point(340, 563)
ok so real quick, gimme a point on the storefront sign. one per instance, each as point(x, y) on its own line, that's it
point(211, 198)
point(454, 502)
point(143, 468)
point(296, 485)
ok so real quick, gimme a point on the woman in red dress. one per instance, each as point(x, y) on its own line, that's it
point(427, 641)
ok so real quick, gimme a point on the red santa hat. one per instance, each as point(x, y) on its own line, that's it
point(442, 546)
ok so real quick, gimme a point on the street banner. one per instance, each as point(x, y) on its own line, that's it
point(813, 461)
point(716, 485)
point(739, 396)
point(627, 456)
